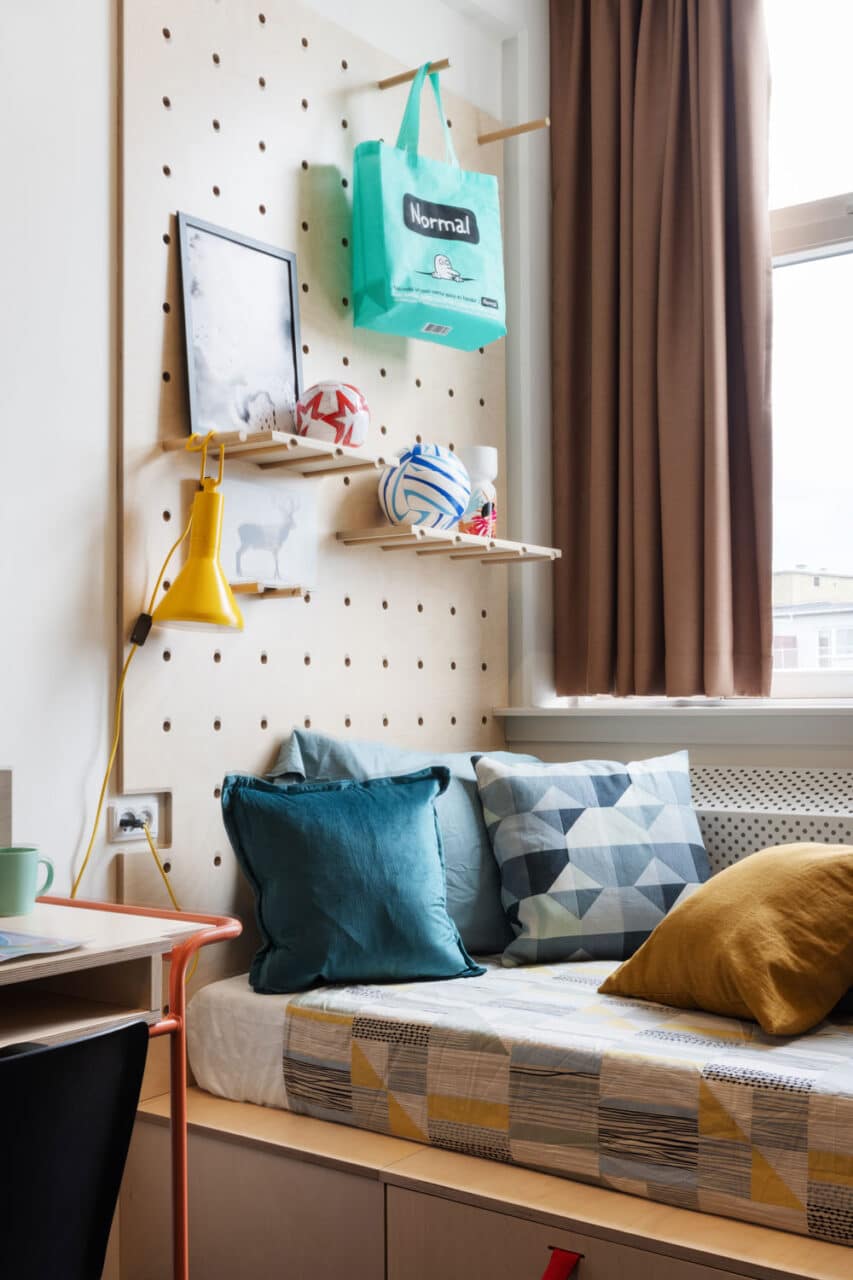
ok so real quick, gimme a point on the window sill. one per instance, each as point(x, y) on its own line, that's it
point(824, 723)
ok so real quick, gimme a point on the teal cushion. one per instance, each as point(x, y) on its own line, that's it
point(473, 880)
point(348, 880)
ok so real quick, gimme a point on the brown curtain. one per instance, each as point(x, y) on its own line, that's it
point(661, 347)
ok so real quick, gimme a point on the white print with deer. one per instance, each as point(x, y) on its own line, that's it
point(269, 532)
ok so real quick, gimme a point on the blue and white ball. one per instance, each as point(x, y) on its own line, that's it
point(428, 485)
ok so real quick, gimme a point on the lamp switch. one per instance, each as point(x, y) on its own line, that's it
point(126, 815)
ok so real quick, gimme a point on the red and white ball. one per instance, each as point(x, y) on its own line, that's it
point(333, 411)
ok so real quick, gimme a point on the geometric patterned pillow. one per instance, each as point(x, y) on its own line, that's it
point(592, 854)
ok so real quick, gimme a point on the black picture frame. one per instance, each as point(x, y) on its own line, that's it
point(236, 376)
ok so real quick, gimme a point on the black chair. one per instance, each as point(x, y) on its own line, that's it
point(66, 1116)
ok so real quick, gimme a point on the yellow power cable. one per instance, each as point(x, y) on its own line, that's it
point(117, 724)
point(167, 882)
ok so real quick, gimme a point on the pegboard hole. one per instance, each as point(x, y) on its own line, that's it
point(304, 42)
point(453, 611)
point(345, 360)
point(216, 125)
point(166, 585)
point(304, 226)
point(216, 191)
point(262, 146)
point(264, 723)
point(417, 382)
point(344, 183)
point(453, 719)
point(262, 82)
point(306, 599)
point(262, 208)
point(385, 663)
point(344, 64)
point(347, 660)
point(167, 655)
point(383, 431)
point(384, 604)
point(167, 35)
point(420, 664)
point(452, 447)
point(167, 101)
point(345, 124)
point(167, 377)
point(307, 722)
point(307, 659)
point(345, 301)
point(167, 239)
point(167, 867)
point(484, 666)
point(484, 719)
point(217, 793)
point(217, 656)
point(450, 124)
point(482, 403)
point(305, 164)
point(452, 666)
point(345, 242)
point(347, 722)
point(262, 17)
point(419, 438)
point(167, 726)
point(167, 515)
point(385, 722)
point(304, 104)
point(217, 860)
point(484, 613)
point(264, 659)
point(482, 351)
point(167, 307)
point(217, 725)
point(305, 348)
point(451, 392)
point(304, 287)
point(420, 607)
point(216, 59)
point(347, 481)
point(420, 720)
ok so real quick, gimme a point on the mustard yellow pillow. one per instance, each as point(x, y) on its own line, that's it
point(770, 938)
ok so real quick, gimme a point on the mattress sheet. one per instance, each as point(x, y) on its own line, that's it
point(531, 1066)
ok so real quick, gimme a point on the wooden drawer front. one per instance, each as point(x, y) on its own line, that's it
point(253, 1213)
point(430, 1238)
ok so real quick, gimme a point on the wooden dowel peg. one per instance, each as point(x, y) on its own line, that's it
point(513, 130)
point(405, 76)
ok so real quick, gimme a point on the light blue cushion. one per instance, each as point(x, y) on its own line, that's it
point(348, 880)
point(592, 854)
point(473, 884)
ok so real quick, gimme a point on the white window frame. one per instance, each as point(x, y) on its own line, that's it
point(801, 233)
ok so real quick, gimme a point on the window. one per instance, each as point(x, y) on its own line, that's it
point(811, 187)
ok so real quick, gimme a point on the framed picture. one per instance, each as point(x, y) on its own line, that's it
point(269, 532)
point(241, 321)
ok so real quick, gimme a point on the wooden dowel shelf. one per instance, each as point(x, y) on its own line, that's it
point(280, 449)
point(266, 593)
point(447, 542)
point(513, 130)
point(405, 77)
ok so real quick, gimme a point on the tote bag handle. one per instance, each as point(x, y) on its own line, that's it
point(407, 139)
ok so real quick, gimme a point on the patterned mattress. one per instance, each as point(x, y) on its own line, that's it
point(532, 1067)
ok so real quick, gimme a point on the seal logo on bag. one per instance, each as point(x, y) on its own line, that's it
point(441, 221)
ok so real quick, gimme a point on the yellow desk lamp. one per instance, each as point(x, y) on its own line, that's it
point(199, 598)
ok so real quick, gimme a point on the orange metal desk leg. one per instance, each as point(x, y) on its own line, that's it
point(215, 929)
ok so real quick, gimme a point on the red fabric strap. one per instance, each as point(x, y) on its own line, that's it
point(561, 1264)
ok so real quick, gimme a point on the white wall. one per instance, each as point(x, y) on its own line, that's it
point(57, 436)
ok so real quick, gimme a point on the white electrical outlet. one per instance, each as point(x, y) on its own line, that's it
point(136, 808)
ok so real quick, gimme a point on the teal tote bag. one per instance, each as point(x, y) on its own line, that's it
point(427, 252)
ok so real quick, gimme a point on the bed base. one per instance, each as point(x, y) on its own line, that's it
point(273, 1193)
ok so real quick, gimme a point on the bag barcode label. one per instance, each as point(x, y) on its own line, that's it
point(437, 328)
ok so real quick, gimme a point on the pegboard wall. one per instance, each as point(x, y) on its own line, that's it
point(247, 116)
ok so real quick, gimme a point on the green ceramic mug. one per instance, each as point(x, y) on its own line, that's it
point(18, 876)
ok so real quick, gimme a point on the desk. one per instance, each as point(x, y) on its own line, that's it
point(114, 977)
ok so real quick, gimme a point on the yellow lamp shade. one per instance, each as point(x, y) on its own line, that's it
point(200, 595)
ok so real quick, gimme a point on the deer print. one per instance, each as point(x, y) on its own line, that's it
point(267, 537)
